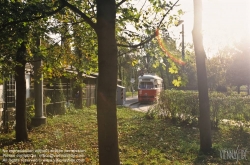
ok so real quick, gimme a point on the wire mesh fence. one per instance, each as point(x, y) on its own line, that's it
point(57, 98)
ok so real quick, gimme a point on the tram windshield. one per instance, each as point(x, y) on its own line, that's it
point(146, 85)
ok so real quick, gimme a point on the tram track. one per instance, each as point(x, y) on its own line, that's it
point(137, 106)
point(133, 104)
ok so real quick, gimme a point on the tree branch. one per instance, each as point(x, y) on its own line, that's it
point(143, 6)
point(92, 7)
point(45, 14)
point(120, 3)
point(124, 53)
point(140, 44)
point(152, 35)
point(167, 14)
point(84, 16)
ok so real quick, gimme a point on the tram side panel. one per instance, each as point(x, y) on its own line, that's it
point(147, 95)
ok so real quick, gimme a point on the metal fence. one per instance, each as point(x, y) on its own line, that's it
point(56, 98)
point(62, 94)
point(7, 92)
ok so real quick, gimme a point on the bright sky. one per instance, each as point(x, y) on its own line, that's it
point(224, 22)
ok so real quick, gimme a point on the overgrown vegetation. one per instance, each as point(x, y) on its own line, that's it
point(141, 141)
point(130, 94)
point(182, 106)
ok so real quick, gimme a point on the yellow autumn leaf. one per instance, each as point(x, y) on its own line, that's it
point(176, 83)
point(172, 70)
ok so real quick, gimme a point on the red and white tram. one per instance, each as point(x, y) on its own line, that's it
point(149, 87)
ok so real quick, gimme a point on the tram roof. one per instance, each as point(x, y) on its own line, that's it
point(150, 76)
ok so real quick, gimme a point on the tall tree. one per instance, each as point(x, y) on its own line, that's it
point(21, 118)
point(19, 15)
point(106, 95)
point(105, 28)
point(85, 55)
point(217, 67)
point(237, 73)
point(15, 39)
point(104, 24)
point(204, 119)
point(107, 78)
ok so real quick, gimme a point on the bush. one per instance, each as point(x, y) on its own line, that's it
point(221, 89)
point(179, 105)
point(183, 106)
point(30, 109)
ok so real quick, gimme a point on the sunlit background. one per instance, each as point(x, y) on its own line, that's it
point(225, 22)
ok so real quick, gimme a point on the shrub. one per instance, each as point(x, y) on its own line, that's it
point(221, 89)
point(30, 109)
point(183, 106)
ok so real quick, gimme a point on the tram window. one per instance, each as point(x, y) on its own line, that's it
point(146, 85)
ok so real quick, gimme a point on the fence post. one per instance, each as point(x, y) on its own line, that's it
point(5, 115)
point(54, 97)
point(67, 97)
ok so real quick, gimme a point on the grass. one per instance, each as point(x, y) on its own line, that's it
point(130, 94)
point(142, 141)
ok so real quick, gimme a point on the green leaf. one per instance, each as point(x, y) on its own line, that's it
point(173, 70)
point(176, 82)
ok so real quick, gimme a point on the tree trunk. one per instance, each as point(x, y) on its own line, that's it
point(79, 53)
point(79, 102)
point(169, 80)
point(204, 120)
point(163, 77)
point(238, 89)
point(248, 87)
point(120, 68)
point(21, 118)
point(107, 82)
